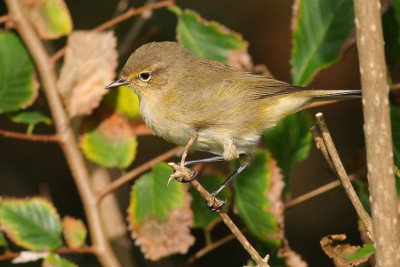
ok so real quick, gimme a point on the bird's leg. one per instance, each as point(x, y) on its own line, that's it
point(217, 204)
point(206, 160)
point(183, 174)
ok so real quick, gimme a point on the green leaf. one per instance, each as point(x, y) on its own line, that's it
point(364, 252)
point(55, 260)
point(391, 32)
point(206, 39)
point(51, 18)
point(123, 101)
point(31, 118)
point(75, 232)
point(203, 216)
point(320, 30)
point(152, 198)
point(3, 241)
point(290, 142)
point(17, 88)
point(251, 190)
point(31, 223)
point(109, 142)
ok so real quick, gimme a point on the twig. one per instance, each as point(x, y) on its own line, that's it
point(114, 21)
point(332, 156)
point(129, 176)
point(210, 247)
point(377, 131)
point(30, 137)
point(140, 129)
point(64, 250)
point(211, 199)
point(4, 19)
point(68, 143)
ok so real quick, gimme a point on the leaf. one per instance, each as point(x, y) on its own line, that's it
point(31, 223)
point(75, 232)
point(123, 101)
point(203, 216)
point(29, 256)
point(159, 216)
point(89, 64)
point(290, 142)
point(364, 252)
point(108, 141)
point(3, 241)
point(50, 18)
point(31, 118)
point(320, 30)
point(343, 254)
point(55, 260)
point(391, 34)
point(252, 187)
point(17, 83)
point(211, 40)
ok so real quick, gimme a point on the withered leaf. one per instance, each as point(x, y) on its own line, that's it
point(89, 64)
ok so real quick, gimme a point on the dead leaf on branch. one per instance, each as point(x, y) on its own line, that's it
point(158, 239)
point(89, 64)
point(333, 246)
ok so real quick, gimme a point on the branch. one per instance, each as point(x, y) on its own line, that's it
point(181, 170)
point(4, 19)
point(325, 144)
point(30, 137)
point(114, 21)
point(210, 247)
point(64, 250)
point(377, 131)
point(129, 176)
point(68, 142)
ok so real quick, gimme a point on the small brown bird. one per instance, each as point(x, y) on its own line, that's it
point(180, 94)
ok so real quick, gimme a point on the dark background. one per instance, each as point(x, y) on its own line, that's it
point(29, 168)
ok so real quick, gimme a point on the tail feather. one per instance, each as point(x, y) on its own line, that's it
point(325, 95)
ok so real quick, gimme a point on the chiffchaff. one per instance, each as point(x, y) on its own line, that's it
point(230, 109)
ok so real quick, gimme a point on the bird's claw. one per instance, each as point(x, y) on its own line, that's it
point(181, 173)
point(215, 204)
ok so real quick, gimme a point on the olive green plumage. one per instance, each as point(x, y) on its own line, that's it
point(180, 94)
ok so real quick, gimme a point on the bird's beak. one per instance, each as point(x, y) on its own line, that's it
point(117, 83)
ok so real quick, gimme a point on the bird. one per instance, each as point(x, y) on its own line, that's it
point(228, 108)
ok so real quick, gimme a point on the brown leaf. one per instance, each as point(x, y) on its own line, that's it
point(74, 232)
point(337, 251)
point(89, 64)
point(158, 239)
point(292, 258)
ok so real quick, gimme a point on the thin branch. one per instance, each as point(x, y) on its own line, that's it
point(30, 137)
point(64, 250)
point(377, 131)
point(140, 129)
point(332, 156)
point(114, 21)
point(210, 247)
point(181, 170)
point(5, 19)
point(68, 143)
point(131, 175)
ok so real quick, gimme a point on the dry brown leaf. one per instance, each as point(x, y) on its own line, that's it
point(158, 239)
point(89, 65)
point(333, 247)
point(292, 258)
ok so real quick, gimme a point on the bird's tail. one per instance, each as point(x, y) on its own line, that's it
point(325, 95)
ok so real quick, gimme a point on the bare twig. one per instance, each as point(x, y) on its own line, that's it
point(129, 176)
point(377, 131)
point(68, 142)
point(210, 247)
point(30, 137)
point(332, 156)
point(64, 250)
point(114, 21)
point(211, 199)
point(4, 19)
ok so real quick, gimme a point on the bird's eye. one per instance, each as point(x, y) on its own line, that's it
point(145, 76)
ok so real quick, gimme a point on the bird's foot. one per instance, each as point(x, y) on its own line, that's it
point(181, 173)
point(215, 204)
